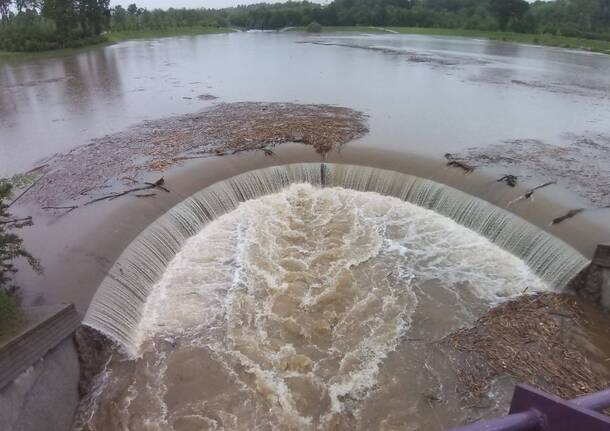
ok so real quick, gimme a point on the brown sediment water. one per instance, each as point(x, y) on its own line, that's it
point(189, 372)
point(315, 308)
point(80, 247)
point(294, 310)
point(168, 373)
point(431, 96)
point(277, 368)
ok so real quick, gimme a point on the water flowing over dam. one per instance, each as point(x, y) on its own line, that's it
point(119, 304)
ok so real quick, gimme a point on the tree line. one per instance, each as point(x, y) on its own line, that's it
point(583, 18)
point(38, 25)
point(134, 18)
point(64, 22)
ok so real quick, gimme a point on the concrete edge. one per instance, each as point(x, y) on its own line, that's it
point(33, 343)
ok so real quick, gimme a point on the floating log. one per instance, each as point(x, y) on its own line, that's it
point(510, 180)
point(567, 215)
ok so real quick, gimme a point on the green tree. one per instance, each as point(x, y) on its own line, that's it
point(93, 15)
point(11, 248)
point(5, 8)
point(119, 17)
point(506, 10)
point(133, 9)
point(11, 245)
point(63, 14)
point(314, 27)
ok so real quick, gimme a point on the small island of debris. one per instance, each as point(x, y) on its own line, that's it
point(223, 129)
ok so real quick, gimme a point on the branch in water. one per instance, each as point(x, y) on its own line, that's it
point(68, 208)
point(453, 162)
point(567, 215)
point(530, 193)
point(510, 180)
point(25, 191)
point(16, 220)
point(572, 213)
point(117, 195)
point(156, 185)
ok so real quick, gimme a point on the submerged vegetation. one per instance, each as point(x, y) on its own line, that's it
point(51, 24)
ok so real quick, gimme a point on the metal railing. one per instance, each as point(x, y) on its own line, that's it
point(535, 410)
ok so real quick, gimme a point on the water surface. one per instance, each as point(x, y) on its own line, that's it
point(314, 309)
point(423, 94)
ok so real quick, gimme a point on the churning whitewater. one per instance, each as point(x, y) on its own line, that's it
point(296, 311)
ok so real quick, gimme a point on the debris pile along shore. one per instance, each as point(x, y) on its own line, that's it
point(543, 340)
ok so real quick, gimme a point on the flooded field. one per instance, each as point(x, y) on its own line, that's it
point(423, 94)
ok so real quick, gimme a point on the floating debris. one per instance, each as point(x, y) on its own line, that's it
point(580, 164)
point(224, 129)
point(537, 339)
point(428, 57)
point(530, 192)
point(68, 209)
point(156, 185)
point(207, 97)
point(454, 162)
point(568, 215)
point(510, 180)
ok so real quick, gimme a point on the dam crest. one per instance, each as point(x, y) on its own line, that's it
point(117, 307)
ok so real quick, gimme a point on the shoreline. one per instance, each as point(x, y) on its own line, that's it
point(114, 38)
point(543, 40)
point(550, 40)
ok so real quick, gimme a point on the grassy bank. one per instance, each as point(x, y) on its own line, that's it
point(359, 29)
point(119, 36)
point(8, 55)
point(533, 39)
point(114, 37)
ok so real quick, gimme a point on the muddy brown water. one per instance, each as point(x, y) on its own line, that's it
point(308, 312)
point(424, 96)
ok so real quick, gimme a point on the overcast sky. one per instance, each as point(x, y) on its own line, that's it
point(213, 4)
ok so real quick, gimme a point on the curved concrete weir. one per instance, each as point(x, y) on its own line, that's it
point(117, 306)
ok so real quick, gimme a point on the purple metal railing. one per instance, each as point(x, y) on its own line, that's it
point(534, 410)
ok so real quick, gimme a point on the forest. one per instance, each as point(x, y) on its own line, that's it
point(40, 25)
point(35, 25)
point(581, 18)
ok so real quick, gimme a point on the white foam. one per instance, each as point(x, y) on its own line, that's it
point(319, 284)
